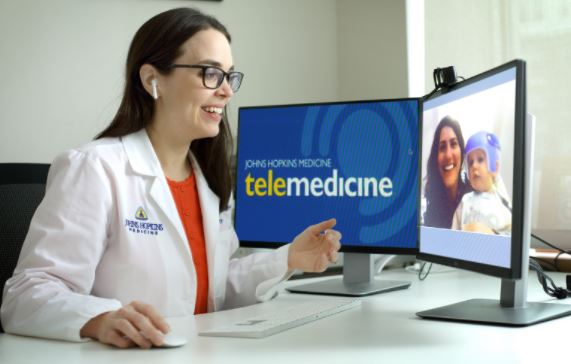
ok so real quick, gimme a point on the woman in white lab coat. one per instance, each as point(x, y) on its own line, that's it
point(136, 226)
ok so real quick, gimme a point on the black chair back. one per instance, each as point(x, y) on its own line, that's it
point(22, 188)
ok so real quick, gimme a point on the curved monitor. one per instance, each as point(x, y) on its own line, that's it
point(355, 161)
point(472, 173)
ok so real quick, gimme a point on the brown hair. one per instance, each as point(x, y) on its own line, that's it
point(158, 42)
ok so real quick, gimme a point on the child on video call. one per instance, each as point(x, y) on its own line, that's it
point(486, 209)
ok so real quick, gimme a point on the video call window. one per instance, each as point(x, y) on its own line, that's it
point(467, 171)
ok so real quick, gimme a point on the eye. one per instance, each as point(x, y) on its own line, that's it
point(234, 78)
point(211, 74)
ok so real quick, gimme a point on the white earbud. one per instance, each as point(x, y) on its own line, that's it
point(154, 86)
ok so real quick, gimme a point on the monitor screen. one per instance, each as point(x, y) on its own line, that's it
point(472, 173)
point(355, 161)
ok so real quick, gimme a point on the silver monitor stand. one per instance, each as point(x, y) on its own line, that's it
point(512, 309)
point(358, 280)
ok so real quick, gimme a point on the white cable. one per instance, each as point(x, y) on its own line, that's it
point(382, 262)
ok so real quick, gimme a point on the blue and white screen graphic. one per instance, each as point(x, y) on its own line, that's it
point(356, 162)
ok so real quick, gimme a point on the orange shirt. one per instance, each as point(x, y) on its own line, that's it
point(187, 203)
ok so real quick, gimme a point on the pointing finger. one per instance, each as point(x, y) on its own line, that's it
point(322, 226)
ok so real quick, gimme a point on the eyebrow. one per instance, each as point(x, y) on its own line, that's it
point(214, 63)
point(448, 140)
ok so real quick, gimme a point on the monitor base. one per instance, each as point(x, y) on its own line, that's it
point(337, 287)
point(484, 311)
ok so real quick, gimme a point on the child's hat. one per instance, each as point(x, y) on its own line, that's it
point(489, 143)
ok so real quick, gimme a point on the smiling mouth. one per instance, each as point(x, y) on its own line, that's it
point(449, 167)
point(213, 110)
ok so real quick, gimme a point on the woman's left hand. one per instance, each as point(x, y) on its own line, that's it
point(315, 247)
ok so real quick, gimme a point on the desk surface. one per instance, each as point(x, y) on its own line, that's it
point(385, 329)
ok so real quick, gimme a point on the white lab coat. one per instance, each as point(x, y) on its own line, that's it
point(90, 250)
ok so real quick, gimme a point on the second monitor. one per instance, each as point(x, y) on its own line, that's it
point(355, 161)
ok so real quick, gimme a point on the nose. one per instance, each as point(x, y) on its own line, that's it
point(225, 90)
point(448, 152)
point(476, 166)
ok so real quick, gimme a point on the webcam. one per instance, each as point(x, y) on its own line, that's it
point(444, 77)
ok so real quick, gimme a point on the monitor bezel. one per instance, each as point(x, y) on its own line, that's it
point(344, 248)
point(518, 188)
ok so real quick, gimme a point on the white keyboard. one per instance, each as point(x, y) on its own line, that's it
point(293, 316)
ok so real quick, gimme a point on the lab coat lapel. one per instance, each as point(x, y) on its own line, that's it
point(209, 203)
point(162, 197)
point(143, 160)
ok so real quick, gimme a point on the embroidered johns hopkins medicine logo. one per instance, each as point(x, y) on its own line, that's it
point(141, 214)
point(140, 224)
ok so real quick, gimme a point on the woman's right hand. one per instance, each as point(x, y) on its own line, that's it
point(136, 324)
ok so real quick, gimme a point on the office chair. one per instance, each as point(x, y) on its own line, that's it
point(22, 188)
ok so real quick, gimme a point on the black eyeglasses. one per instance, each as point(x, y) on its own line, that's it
point(212, 76)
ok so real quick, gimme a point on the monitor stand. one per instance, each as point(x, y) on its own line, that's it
point(512, 309)
point(358, 280)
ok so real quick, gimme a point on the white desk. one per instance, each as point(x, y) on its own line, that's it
point(384, 330)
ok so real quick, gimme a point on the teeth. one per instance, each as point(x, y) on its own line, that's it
point(449, 167)
point(217, 110)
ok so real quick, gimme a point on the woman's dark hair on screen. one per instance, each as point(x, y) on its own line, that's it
point(158, 42)
point(439, 209)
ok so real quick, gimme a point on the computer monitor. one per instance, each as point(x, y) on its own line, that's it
point(356, 161)
point(476, 170)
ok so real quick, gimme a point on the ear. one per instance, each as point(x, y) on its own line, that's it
point(148, 73)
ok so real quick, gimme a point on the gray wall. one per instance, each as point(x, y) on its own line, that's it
point(62, 60)
point(372, 49)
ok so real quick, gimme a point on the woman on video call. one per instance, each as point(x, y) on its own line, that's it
point(136, 225)
point(445, 185)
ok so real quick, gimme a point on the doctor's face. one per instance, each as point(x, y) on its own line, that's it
point(192, 109)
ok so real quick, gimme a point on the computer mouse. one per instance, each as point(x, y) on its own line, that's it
point(172, 340)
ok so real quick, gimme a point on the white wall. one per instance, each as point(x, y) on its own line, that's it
point(475, 35)
point(465, 34)
point(62, 62)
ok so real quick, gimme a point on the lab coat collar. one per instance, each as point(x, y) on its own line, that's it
point(141, 154)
